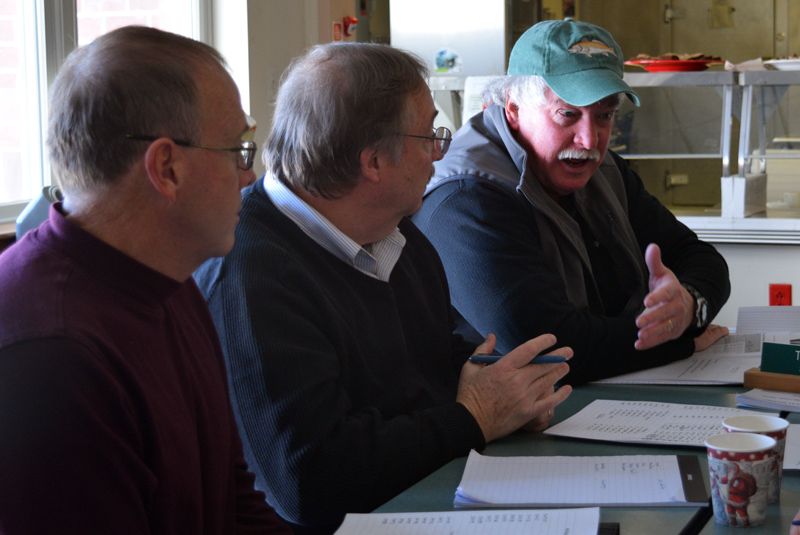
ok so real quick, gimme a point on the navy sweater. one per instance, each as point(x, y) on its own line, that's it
point(344, 385)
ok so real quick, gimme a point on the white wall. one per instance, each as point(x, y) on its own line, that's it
point(259, 38)
point(752, 269)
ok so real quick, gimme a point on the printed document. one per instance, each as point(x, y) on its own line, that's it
point(723, 363)
point(603, 481)
point(502, 522)
point(646, 422)
point(769, 399)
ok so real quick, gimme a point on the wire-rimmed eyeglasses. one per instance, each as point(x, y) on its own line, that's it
point(246, 150)
point(441, 138)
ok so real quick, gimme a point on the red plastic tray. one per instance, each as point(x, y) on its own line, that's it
point(672, 65)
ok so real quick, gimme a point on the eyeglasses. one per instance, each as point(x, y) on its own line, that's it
point(246, 150)
point(441, 138)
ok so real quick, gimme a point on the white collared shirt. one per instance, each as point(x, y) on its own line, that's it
point(375, 259)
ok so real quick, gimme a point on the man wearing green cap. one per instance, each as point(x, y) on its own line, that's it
point(542, 229)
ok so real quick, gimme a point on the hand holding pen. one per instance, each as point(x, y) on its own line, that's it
point(510, 394)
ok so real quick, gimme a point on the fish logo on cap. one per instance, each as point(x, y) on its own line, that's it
point(591, 47)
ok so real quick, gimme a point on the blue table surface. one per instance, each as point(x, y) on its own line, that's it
point(436, 492)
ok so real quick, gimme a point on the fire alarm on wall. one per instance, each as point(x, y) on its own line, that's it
point(349, 24)
point(337, 31)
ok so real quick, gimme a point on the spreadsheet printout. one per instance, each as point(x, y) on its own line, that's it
point(502, 522)
point(646, 422)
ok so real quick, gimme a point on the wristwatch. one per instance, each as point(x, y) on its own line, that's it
point(700, 307)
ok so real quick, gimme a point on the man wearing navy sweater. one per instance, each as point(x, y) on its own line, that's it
point(334, 311)
point(114, 408)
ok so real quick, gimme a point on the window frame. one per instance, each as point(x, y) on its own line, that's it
point(50, 33)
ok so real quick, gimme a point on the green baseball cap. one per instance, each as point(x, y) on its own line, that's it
point(579, 61)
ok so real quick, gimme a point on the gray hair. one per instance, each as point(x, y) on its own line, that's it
point(522, 89)
point(131, 81)
point(334, 102)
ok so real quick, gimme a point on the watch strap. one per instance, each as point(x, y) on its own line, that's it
point(700, 306)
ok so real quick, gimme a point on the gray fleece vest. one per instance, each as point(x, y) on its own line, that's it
point(485, 148)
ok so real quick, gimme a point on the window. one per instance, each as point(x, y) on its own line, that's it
point(35, 37)
point(19, 118)
point(96, 17)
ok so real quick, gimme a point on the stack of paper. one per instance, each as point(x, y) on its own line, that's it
point(770, 399)
point(636, 480)
point(507, 522)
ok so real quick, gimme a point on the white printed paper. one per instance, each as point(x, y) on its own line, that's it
point(506, 522)
point(646, 422)
point(603, 481)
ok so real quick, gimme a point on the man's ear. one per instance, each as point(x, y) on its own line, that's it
point(371, 161)
point(512, 114)
point(160, 163)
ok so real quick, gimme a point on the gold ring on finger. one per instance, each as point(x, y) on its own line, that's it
point(669, 325)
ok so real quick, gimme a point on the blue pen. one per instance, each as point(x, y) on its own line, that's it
point(541, 359)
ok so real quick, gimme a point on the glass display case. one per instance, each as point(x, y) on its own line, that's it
point(770, 134)
point(680, 139)
point(697, 124)
point(690, 121)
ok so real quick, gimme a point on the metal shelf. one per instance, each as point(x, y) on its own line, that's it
point(680, 79)
point(769, 78)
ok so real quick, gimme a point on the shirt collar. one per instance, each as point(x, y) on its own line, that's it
point(377, 260)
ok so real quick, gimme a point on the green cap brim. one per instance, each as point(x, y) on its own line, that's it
point(584, 88)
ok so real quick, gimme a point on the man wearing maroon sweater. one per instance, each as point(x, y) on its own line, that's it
point(114, 410)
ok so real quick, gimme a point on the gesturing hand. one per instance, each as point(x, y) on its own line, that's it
point(670, 307)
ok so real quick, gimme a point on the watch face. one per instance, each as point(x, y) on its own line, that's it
point(702, 312)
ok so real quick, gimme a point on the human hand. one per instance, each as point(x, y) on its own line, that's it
point(711, 335)
point(670, 307)
point(543, 419)
point(512, 393)
point(795, 529)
